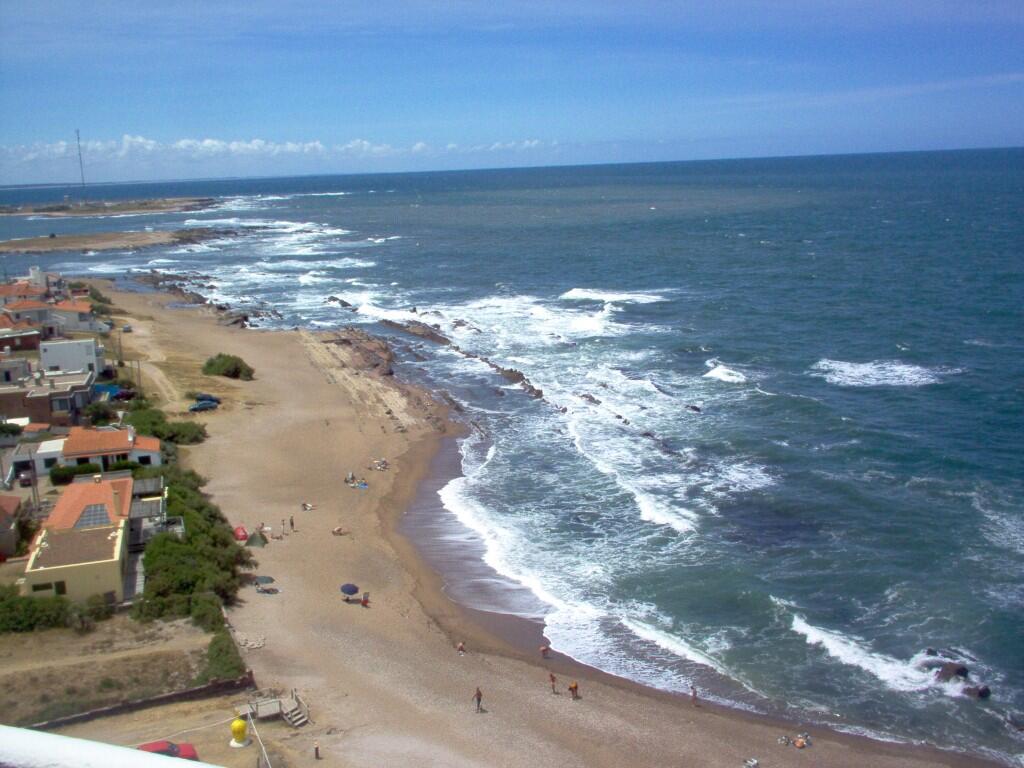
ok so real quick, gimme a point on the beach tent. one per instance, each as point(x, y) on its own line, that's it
point(256, 539)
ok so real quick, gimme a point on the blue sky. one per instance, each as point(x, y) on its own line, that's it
point(176, 89)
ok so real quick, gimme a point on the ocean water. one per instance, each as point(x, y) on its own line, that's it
point(778, 452)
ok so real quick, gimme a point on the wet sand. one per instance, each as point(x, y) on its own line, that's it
point(385, 683)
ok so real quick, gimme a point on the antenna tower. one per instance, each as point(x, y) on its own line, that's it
point(81, 168)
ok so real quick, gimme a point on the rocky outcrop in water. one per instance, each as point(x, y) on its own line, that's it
point(365, 353)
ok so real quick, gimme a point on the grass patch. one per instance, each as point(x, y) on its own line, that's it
point(223, 661)
point(231, 366)
point(152, 421)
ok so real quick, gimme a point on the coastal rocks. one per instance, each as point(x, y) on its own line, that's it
point(416, 328)
point(364, 353)
point(977, 691)
point(340, 302)
point(950, 670)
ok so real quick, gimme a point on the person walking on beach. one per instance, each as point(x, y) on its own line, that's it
point(545, 650)
point(461, 648)
point(291, 522)
point(553, 679)
point(693, 695)
point(478, 697)
point(574, 690)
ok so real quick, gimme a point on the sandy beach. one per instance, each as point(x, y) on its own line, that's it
point(104, 241)
point(385, 683)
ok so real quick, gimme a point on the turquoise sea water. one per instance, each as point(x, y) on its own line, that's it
point(850, 328)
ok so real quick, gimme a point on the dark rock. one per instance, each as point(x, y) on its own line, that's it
point(978, 691)
point(693, 408)
point(590, 398)
point(949, 670)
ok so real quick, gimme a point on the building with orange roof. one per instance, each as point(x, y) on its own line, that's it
point(33, 313)
point(106, 446)
point(76, 316)
point(89, 504)
point(21, 289)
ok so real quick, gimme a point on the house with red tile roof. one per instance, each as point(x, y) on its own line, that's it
point(21, 290)
point(106, 446)
point(84, 505)
point(74, 315)
point(32, 313)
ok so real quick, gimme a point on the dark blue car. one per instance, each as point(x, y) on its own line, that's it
point(203, 405)
point(202, 397)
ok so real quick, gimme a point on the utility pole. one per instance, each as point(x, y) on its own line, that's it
point(81, 167)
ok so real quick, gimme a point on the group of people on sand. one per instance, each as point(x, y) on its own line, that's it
point(545, 650)
point(573, 687)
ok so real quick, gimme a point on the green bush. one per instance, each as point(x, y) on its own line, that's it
point(25, 614)
point(12, 430)
point(223, 661)
point(152, 421)
point(100, 413)
point(98, 609)
point(206, 612)
point(231, 366)
point(182, 577)
point(96, 296)
point(117, 466)
point(60, 475)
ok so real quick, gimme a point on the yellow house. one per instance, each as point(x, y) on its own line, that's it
point(78, 563)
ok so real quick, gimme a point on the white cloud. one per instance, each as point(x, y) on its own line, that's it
point(136, 157)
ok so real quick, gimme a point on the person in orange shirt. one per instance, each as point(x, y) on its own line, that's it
point(574, 690)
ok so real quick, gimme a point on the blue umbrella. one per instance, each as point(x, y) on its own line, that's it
point(350, 589)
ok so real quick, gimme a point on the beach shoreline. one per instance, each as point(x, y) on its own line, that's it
point(620, 717)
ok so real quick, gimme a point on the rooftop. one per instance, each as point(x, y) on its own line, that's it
point(91, 442)
point(73, 306)
point(22, 288)
point(84, 505)
point(61, 382)
point(9, 505)
point(24, 304)
point(56, 548)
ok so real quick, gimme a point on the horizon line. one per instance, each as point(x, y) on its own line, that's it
point(79, 185)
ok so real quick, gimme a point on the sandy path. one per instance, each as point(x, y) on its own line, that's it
point(384, 682)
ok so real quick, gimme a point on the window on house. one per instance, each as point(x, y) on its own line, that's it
point(47, 463)
point(145, 460)
point(7, 375)
point(42, 587)
point(81, 461)
point(60, 588)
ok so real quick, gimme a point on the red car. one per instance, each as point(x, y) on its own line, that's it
point(169, 748)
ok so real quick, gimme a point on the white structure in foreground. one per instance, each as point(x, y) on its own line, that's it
point(24, 748)
point(72, 356)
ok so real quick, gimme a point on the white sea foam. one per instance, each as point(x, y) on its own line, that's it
point(673, 644)
point(723, 373)
point(855, 652)
point(589, 294)
point(878, 373)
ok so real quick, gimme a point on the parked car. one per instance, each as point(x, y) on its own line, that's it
point(25, 479)
point(169, 748)
point(203, 397)
point(125, 394)
point(126, 329)
point(203, 405)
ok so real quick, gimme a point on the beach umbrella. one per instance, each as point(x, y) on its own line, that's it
point(349, 589)
point(264, 579)
point(241, 534)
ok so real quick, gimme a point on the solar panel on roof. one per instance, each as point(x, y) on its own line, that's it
point(93, 515)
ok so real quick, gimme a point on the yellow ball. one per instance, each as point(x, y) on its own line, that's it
point(239, 728)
